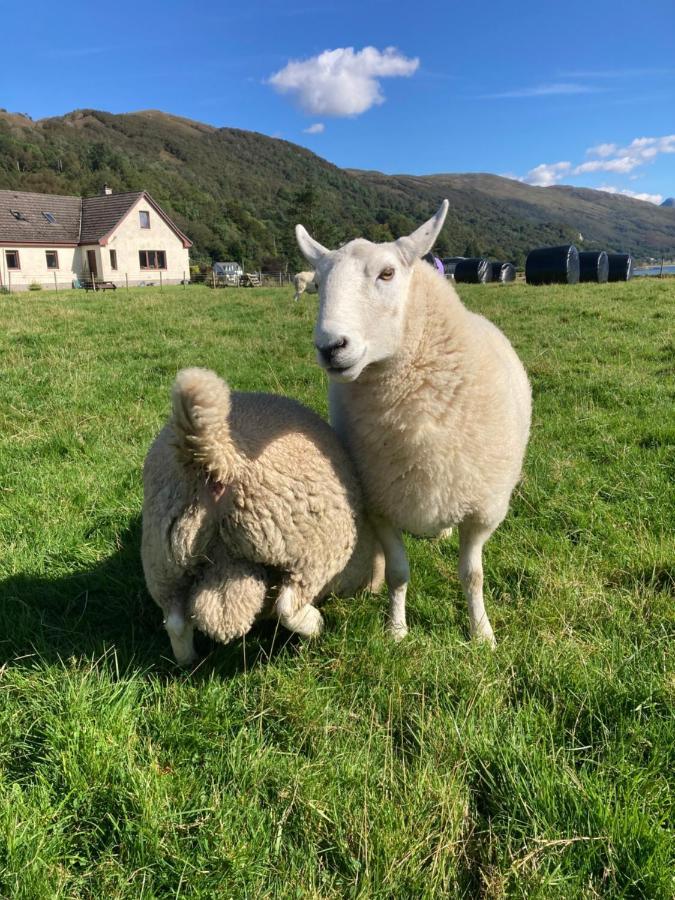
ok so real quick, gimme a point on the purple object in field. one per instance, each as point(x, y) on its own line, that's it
point(439, 265)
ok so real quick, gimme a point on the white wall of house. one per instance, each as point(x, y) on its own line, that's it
point(129, 238)
point(126, 241)
point(33, 267)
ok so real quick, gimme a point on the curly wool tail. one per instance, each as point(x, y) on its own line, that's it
point(201, 407)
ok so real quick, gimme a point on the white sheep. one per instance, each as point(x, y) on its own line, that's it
point(304, 281)
point(431, 400)
point(245, 495)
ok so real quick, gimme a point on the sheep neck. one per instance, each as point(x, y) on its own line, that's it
point(432, 341)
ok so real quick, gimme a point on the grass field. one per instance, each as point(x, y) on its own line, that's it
point(351, 767)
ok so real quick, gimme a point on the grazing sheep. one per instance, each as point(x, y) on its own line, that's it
point(304, 281)
point(431, 400)
point(244, 494)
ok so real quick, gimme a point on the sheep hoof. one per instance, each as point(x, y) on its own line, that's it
point(307, 622)
point(445, 534)
point(483, 634)
point(397, 631)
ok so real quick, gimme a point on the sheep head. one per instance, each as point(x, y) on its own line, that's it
point(363, 294)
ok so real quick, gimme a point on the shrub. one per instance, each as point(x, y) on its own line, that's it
point(35, 286)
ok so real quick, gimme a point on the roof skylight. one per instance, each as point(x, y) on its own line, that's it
point(18, 215)
point(50, 217)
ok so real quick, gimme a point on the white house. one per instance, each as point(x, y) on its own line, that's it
point(52, 239)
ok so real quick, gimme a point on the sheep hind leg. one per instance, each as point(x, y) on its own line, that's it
point(181, 635)
point(472, 537)
point(305, 620)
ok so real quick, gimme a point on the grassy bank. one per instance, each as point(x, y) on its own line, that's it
point(351, 766)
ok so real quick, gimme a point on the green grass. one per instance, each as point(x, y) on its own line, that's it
point(351, 767)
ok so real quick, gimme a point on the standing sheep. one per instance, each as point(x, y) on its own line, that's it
point(431, 400)
point(304, 281)
point(243, 492)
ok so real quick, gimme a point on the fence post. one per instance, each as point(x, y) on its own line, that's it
point(93, 281)
point(160, 281)
point(184, 284)
point(126, 280)
point(9, 279)
point(213, 275)
point(56, 287)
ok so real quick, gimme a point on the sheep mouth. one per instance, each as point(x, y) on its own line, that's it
point(348, 372)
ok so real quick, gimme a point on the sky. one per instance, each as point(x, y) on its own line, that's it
point(576, 93)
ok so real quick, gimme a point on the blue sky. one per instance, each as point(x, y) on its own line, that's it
point(575, 93)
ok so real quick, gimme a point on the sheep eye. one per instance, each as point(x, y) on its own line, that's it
point(386, 274)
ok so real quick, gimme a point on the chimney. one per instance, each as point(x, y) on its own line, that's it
point(107, 191)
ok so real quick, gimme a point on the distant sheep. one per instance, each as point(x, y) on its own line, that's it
point(430, 399)
point(304, 281)
point(251, 508)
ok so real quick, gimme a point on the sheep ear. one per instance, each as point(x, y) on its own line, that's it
point(420, 242)
point(312, 250)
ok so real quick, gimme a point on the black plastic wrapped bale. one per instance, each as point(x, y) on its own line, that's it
point(553, 265)
point(450, 263)
point(593, 266)
point(620, 266)
point(474, 270)
point(503, 271)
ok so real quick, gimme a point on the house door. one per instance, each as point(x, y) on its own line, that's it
point(91, 261)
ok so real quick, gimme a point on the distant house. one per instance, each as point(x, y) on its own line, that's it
point(227, 268)
point(50, 238)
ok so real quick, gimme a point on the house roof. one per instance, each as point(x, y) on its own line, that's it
point(88, 220)
point(34, 227)
point(101, 214)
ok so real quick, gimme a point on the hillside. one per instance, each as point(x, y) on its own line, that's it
point(514, 213)
point(238, 193)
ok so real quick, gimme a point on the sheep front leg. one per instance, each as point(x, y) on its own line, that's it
point(306, 621)
point(397, 576)
point(181, 635)
point(472, 537)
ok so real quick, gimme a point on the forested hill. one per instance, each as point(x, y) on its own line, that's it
point(238, 194)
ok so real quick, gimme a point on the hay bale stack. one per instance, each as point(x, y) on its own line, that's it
point(553, 265)
point(450, 263)
point(593, 266)
point(620, 266)
point(503, 271)
point(473, 270)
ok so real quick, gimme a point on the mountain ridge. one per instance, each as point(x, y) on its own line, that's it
point(238, 193)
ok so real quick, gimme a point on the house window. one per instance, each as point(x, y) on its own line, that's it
point(50, 217)
point(144, 218)
point(113, 259)
point(152, 259)
point(12, 259)
point(52, 259)
point(18, 215)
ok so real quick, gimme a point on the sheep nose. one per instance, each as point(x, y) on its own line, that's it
point(328, 351)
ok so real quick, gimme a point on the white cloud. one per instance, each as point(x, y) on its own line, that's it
point(547, 174)
point(316, 128)
point(602, 150)
point(624, 159)
point(649, 198)
point(616, 73)
point(543, 90)
point(611, 158)
point(645, 146)
point(622, 164)
point(341, 82)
